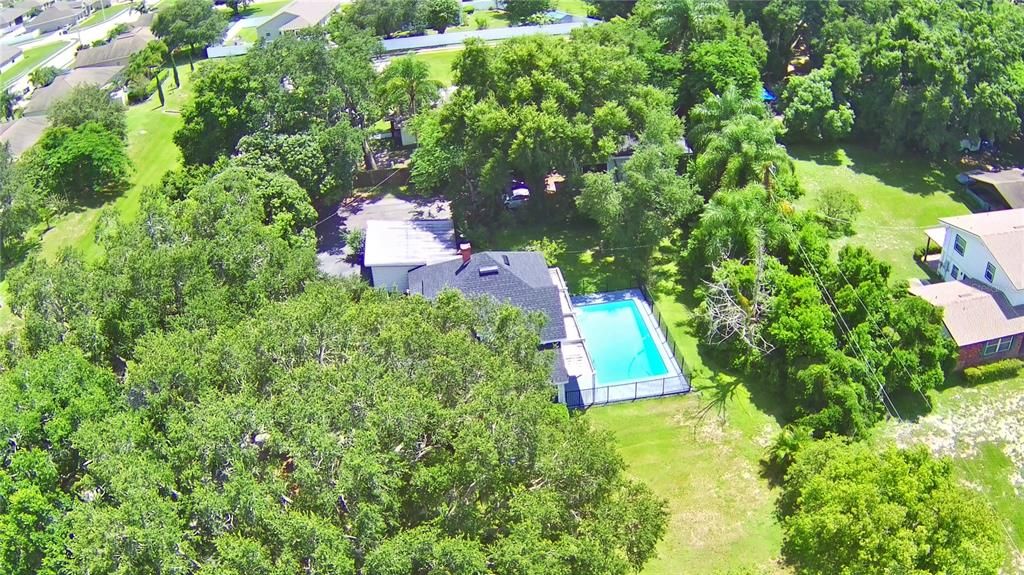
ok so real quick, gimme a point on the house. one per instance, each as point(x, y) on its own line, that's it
point(998, 190)
point(55, 18)
point(630, 143)
point(982, 293)
point(42, 99)
point(117, 52)
point(295, 16)
point(16, 15)
point(8, 56)
point(524, 280)
point(23, 133)
point(394, 248)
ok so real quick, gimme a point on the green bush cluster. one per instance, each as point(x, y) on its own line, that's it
point(993, 371)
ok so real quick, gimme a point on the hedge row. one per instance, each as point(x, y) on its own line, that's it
point(993, 371)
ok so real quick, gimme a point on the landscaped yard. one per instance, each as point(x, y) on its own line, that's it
point(901, 196)
point(101, 15)
point(32, 58)
point(440, 63)
point(152, 152)
point(576, 7)
point(699, 451)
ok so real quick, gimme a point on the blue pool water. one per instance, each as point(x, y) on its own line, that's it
point(620, 344)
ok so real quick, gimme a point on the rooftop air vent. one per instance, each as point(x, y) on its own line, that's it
point(488, 271)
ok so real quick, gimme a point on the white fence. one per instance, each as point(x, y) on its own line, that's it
point(492, 35)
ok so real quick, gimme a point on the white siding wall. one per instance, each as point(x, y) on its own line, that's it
point(394, 278)
point(973, 262)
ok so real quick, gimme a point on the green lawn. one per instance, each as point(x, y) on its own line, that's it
point(493, 19)
point(263, 9)
point(152, 153)
point(31, 58)
point(440, 63)
point(101, 15)
point(900, 195)
point(575, 7)
point(248, 35)
point(981, 428)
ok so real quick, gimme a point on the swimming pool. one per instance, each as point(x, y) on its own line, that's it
point(621, 345)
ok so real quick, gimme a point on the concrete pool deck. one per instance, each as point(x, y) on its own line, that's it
point(586, 392)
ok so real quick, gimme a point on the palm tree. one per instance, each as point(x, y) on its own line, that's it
point(405, 86)
point(7, 101)
point(744, 151)
point(711, 115)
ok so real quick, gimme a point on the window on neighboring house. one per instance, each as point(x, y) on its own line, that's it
point(956, 272)
point(997, 345)
point(959, 245)
point(990, 272)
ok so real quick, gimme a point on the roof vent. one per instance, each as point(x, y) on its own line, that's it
point(505, 259)
point(488, 271)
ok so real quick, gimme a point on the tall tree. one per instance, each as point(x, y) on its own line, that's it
point(381, 17)
point(608, 9)
point(520, 11)
point(405, 86)
point(709, 117)
point(77, 163)
point(745, 151)
point(7, 101)
point(439, 14)
point(146, 64)
point(19, 205)
point(191, 23)
point(639, 211)
point(86, 104)
point(237, 6)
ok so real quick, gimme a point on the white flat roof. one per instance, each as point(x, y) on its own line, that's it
point(409, 243)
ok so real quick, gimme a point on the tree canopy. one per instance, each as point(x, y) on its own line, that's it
point(851, 509)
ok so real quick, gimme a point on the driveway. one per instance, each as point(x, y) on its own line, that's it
point(353, 213)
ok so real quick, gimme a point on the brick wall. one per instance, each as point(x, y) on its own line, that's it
point(971, 355)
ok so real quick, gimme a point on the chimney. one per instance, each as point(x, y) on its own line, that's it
point(467, 252)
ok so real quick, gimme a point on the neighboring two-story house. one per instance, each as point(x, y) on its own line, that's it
point(982, 295)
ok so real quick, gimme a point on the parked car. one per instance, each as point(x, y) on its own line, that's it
point(516, 195)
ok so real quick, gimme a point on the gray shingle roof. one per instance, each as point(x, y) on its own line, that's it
point(972, 311)
point(117, 50)
point(518, 278)
point(8, 53)
point(23, 133)
point(44, 98)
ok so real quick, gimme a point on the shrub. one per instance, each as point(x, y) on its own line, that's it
point(551, 249)
point(921, 252)
point(468, 10)
point(480, 22)
point(356, 240)
point(990, 372)
point(837, 209)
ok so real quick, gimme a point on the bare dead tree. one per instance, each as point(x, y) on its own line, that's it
point(730, 314)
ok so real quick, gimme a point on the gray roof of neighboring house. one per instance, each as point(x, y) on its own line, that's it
point(1002, 232)
point(14, 12)
point(519, 278)
point(121, 47)
point(972, 311)
point(409, 242)
point(55, 13)
point(8, 53)
point(23, 133)
point(1007, 183)
point(43, 98)
point(302, 14)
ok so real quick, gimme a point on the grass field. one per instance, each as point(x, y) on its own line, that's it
point(440, 63)
point(32, 58)
point(492, 18)
point(262, 9)
point(900, 196)
point(152, 153)
point(101, 15)
point(248, 35)
point(981, 429)
point(575, 7)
